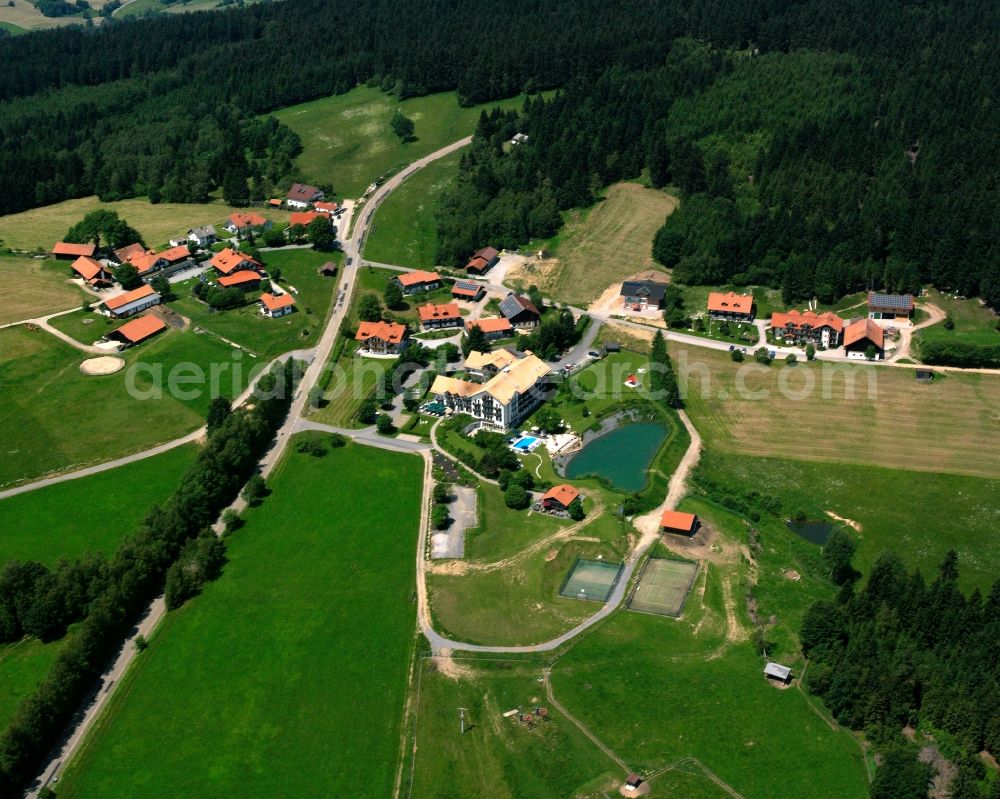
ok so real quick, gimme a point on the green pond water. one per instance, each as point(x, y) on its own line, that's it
point(621, 456)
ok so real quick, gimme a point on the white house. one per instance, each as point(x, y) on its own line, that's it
point(276, 305)
point(302, 195)
point(202, 236)
point(131, 302)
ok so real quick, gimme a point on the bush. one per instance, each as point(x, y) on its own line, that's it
point(200, 561)
point(575, 510)
point(368, 412)
point(737, 355)
point(810, 352)
point(516, 497)
point(790, 358)
point(337, 440)
point(310, 445)
point(384, 424)
point(761, 355)
point(255, 490)
point(439, 517)
point(442, 493)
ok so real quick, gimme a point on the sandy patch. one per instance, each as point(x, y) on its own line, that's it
point(449, 667)
point(856, 526)
point(103, 365)
point(792, 575)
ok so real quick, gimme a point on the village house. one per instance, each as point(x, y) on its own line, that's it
point(204, 236)
point(559, 498)
point(124, 255)
point(169, 261)
point(67, 251)
point(862, 334)
point(382, 337)
point(302, 195)
point(468, 290)
point(520, 311)
point(276, 305)
point(483, 261)
point(326, 208)
point(493, 328)
point(137, 330)
point(244, 280)
point(434, 316)
point(487, 365)
point(304, 218)
point(418, 280)
point(730, 306)
point(821, 330)
point(642, 294)
point(241, 223)
point(131, 302)
point(890, 306)
point(675, 521)
point(229, 260)
point(93, 272)
point(503, 401)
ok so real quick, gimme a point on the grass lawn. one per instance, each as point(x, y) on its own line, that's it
point(33, 288)
point(91, 514)
point(500, 757)
point(603, 246)
point(61, 419)
point(354, 379)
point(22, 666)
point(503, 532)
point(302, 647)
point(974, 323)
point(347, 140)
point(741, 333)
point(750, 409)
point(11, 28)
point(405, 228)
point(42, 227)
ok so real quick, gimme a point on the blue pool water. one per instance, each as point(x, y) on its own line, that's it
point(525, 443)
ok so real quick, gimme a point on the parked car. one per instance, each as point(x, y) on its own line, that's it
point(732, 347)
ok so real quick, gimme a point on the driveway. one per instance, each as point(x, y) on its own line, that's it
point(450, 543)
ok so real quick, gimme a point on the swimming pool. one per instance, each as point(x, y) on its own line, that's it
point(526, 443)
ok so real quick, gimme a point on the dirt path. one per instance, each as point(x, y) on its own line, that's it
point(579, 724)
point(906, 334)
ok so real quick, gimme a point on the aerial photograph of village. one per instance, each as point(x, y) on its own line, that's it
point(449, 399)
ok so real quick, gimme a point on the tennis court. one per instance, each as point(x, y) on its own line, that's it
point(591, 579)
point(663, 587)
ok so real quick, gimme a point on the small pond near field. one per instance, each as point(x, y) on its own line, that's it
point(816, 532)
point(621, 457)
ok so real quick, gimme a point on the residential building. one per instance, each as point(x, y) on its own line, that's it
point(137, 330)
point(890, 306)
point(229, 260)
point(520, 311)
point(203, 236)
point(862, 334)
point(674, 521)
point(131, 302)
point(276, 305)
point(821, 330)
point(418, 280)
point(467, 290)
point(124, 255)
point(730, 306)
point(302, 195)
point(503, 401)
point(67, 251)
point(483, 261)
point(244, 280)
point(326, 208)
point(147, 263)
point(242, 223)
point(433, 316)
point(93, 271)
point(304, 218)
point(382, 337)
point(559, 497)
point(642, 294)
point(487, 365)
point(494, 328)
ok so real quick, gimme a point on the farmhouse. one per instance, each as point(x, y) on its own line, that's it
point(243, 223)
point(384, 337)
point(483, 261)
point(674, 521)
point(419, 280)
point(822, 330)
point(172, 260)
point(67, 251)
point(244, 280)
point(890, 306)
point(520, 311)
point(486, 365)
point(146, 263)
point(305, 217)
point(642, 294)
point(559, 497)
point(229, 260)
point(467, 290)
point(131, 302)
point(494, 328)
point(861, 335)
point(276, 305)
point(775, 671)
point(94, 272)
point(302, 195)
point(435, 316)
point(502, 402)
point(137, 330)
point(202, 236)
point(124, 255)
point(730, 306)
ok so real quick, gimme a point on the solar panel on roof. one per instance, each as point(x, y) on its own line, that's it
point(466, 285)
point(896, 301)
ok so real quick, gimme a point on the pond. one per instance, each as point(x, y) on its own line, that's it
point(621, 456)
point(816, 531)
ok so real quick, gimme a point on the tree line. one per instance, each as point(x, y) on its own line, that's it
point(104, 595)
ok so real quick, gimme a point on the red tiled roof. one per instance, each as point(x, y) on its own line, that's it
point(274, 303)
point(430, 311)
point(68, 248)
point(275, 202)
point(487, 253)
point(228, 260)
point(499, 325)
point(128, 253)
point(796, 319)
point(303, 192)
point(238, 278)
point(241, 220)
point(175, 254)
point(676, 520)
point(86, 267)
point(563, 494)
point(730, 302)
point(129, 296)
point(305, 217)
point(417, 277)
point(145, 262)
point(326, 208)
point(864, 329)
point(390, 332)
point(141, 328)
point(466, 291)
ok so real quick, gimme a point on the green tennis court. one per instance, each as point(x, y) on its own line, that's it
point(591, 579)
point(663, 587)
